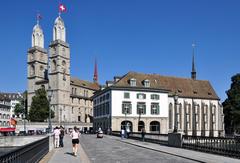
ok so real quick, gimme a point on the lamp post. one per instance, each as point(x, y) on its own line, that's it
point(175, 112)
point(49, 113)
point(125, 112)
point(24, 112)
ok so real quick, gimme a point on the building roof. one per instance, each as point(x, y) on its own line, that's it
point(84, 83)
point(184, 87)
point(4, 98)
point(10, 96)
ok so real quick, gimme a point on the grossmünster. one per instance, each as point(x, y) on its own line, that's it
point(50, 69)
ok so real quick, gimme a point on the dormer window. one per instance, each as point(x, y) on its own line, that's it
point(146, 83)
point(133, 82)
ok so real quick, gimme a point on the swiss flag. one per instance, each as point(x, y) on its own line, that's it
point(62, 8)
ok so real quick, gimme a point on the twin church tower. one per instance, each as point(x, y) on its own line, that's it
point(50, 69)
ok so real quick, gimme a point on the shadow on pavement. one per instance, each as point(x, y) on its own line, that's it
point(69, 153)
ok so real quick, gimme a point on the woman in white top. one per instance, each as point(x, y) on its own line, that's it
point(75, 140)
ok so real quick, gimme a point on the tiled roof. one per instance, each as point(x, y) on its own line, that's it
point(84, 83)
point(10, 96)
point(4, 98)
point(185, 87)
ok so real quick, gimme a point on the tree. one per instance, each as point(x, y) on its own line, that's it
point(231, 106)
point(19, 109)
point(39, 110)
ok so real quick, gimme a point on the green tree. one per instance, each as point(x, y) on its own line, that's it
point(39, 110)
point(231, 106)
point(19, 109)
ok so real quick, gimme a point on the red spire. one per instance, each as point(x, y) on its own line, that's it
point(95, 77)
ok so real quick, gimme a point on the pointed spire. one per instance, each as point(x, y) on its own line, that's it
point(193, 73)
point(95, 77)
point(39, 17)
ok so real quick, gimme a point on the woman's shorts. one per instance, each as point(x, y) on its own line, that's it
point(75, 141)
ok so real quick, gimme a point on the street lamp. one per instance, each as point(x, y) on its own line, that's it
point(50, 92)
point(175, 97)
point(24, 112)
point(125, 112)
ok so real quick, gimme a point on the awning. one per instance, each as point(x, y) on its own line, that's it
point(8, 129)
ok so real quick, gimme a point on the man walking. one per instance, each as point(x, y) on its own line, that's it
point(56, 137)
point(61, 136)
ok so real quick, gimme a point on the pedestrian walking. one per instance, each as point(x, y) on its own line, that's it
point(56, 133)
point(127, 132)
point(122, 133)
point(61, 136)
point(143, 132)
point(75, 140)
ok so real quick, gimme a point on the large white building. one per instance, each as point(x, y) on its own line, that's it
point(138, 100)
point(5, 112)
point(50, 69)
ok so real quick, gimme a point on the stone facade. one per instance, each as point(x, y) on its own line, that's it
point(70, 97)
point(5, 110)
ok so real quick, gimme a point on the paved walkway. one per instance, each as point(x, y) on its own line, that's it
point(65, 154)
point(184, 153)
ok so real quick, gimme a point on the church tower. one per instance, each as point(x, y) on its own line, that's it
point(59, 73)
point(37, 60)
point(95, 75)
point(193, 73)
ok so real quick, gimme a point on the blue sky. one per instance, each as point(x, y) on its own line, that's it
point(149, 36)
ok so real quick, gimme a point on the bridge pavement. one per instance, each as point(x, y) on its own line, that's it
point(112, 149)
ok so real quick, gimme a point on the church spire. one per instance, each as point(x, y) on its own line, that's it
point(95, 77)
point(37, 34)
point(193, 73)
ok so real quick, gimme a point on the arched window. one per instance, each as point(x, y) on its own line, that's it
point(127, 124)
point(141, 125)
point(32, 70)
point(170, 115)
point(179, 117)
point(63, 63)
point(33, 40)
point(55, 33)
point(54, 65)
point(155, 127)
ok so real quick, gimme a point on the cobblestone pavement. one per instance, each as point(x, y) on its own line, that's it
point(109, 150)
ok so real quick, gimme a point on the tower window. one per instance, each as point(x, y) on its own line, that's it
point(54, 64)
point(63, 63)
point(32, 71)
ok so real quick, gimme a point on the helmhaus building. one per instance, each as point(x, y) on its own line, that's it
point(160, 104)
